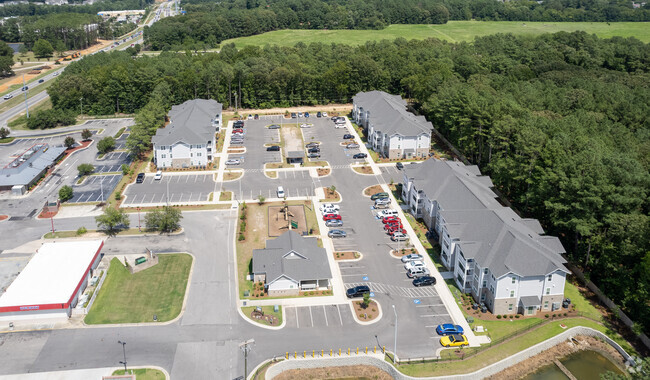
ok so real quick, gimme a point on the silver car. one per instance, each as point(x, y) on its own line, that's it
point(233, 161)
point(352, 146)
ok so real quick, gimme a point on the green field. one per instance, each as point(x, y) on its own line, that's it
point(133, 298)
point(453, 31)
point(142, 374)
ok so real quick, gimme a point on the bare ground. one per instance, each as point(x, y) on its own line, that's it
point(338, 373)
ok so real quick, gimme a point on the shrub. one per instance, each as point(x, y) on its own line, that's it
point(106, 144)
point(553, 315)
point(565, 314)
point(85, 169)
point(241, 237)
point(65, 193)
point(546, 316)
point(498, 316)
point(517, 316)
point(118, 196)
point(81, 231)
point(469, 307)
point(50, 118)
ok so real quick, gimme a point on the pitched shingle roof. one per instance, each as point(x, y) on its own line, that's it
point(191, 123)
point(294, 256)
point(388, 114)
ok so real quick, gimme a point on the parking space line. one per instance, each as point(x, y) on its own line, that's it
point(433, 304)
point(311, 316)
point(433, 315)
point(297, 322)
point(325, 314)
point(340, 317)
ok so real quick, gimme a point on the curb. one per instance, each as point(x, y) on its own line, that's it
point(356, 318)
point(280, 327)
point(359, 166)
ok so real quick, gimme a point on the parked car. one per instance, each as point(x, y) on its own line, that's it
point(256, 116)
point(424, 281)
point(336, 234)
point(399, 165)
point(324, 114)
point(280, 192)
point(313, 155)
point(329, 205)
point(387, 212)
point(273, 148)
point(352, 146)
point(334, 223)
point(233, 161)
point(293, 115)
point(414, 264)
point(379, 195)
point(456, 340)
point(449, 329)
point(8, 96)
point(306, 114)
point(312, 145)
point(238, 124)
point(390, 219)
point(250, 117)
point(238, 130)
point(236, 142)
point(399, 236)
point(313, 150)
point(319, 114)
point(327, 217)
point(274, 126)
point(158, 175)
point(360, 155)
point(417, 272)
point(357, 291)
point(347, 136)
point(339, 125)
point(305, 125)
point(140, 178)
point(300, 114)
point(411, 257)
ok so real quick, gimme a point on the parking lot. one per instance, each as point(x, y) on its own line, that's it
point(112, 162)
point(256, 135)
point(96, 188)
point(330, 139)
point(183, 188)
point(296, 183)
point(318, 316)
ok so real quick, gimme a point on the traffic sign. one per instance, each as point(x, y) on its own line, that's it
point(417, 301)
point(372, 294)
point(365, 278)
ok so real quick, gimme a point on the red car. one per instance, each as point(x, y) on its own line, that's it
point(393, 231)
point(238, 130)
point(327, 217)
point(389, 218)
point(393, 223)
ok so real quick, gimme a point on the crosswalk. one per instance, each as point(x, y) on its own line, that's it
point(399, 290)
point(340, 166)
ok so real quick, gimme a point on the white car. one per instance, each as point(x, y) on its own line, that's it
point(280, 192)
point(382, 201)
point(388, 212)
point(399, 237)
point(158, 175)
point(329, 206)
point(330, 211)
point(339, 125)
point(305, 125)
point(7, 97)
point(414, 265)
point(233, 161)
point(411, 257)
point(324, 114)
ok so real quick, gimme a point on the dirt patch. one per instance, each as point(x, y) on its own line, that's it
point(346, 255)
point(225, 196)
point(331, 373)
point(372, 190)
point(323, 172)
point(272, 174)
point(230, 176)
point(331, 196)
point(236, 150)
point(369, 313)
point(556, 352)
point(402, 252)
point(363, 169)
point(279, 225)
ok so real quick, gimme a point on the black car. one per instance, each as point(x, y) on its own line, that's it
point(293, 115)
point(318, 114)
point(238, 124)
point(256, 116)
point(313, 150)
point(399, 165)
point(41, 80)
point(140, 178)
point(273, 148)
point(357, 291)
point(360, 155)
point(347, 136)
point(274, 126)
point(424, 281)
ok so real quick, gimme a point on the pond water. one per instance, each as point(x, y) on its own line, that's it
point(584, 365)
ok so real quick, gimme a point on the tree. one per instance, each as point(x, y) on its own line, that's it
point(86, 134)
point(366, 300)
point(106, 144)
point(69, 142)
point(42, 49)
point(6, 59)
point(112, 220)
point(60, 48)
point(85, 169)
point(23, 50)
point(4, 133)
point(261, 199)
point(65, 193)
point(165, 220)
point(126, 170)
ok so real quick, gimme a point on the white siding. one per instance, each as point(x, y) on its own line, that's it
point(283, 283)
point(556, 284)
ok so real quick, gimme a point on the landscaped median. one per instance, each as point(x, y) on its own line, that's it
point(142, 373)
point(136, 298)
point(265, 315)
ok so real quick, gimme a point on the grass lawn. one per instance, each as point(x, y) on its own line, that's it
point(143, 374)
point(133, 298)
point(61, 234)
point(453, 31)
point(20, 122)
point(267, 310)
point(225, 196)
point(581, 303)
point(7, 140)
point(433, 249)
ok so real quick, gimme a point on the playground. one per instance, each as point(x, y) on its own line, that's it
point(283, 218)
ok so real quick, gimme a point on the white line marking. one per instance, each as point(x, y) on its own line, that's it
point(311, 316)
point(325, 313)
point(297, 323)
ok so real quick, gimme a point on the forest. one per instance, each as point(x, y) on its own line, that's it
point(36, 8)
point(559, 121)
point(209, 22)
point(65, 31)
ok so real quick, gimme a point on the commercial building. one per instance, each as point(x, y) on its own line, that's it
point(392, 131)
point(51, 283)
point(25, 170)
point(290, 264)
point(189, 140)
point(501, 259)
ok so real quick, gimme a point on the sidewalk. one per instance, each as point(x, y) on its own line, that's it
point(362, 147)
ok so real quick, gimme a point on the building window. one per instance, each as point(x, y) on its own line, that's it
point(545, 305)
point(548, 291)
point(485, 270)
point(492, 289)
point(484, 284)
point(191, 154)
point(163, 156)
point(514, 280)
point(510, 307)
point(162, 147)
point(512, 293)
point(198, 155)
point(550, 277)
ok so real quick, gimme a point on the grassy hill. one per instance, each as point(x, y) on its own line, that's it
point(453, 31)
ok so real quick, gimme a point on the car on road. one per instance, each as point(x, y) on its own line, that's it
point(233, 161)
point(25, 88)
point(411, 257)
point(327, 217)
point(378, 195)
point(347, 136)
point(41, 80)
point(140, 178)
point(319, 114)
point(399, 236)
point(334, 223)
point(158, 175)
point(274, 126)
point(273, 148)
point(329, 205)
point(352, 146)
point(449, 329)
point(424, 281)
point(360, 155)
point(357, 291)
point(56, 74)
point(456, 340)
point(8, 96)
point(313, 155)
point(414, 264)
point(324, 114)
point(399, 165)
point(280, 192)
point(337, 234)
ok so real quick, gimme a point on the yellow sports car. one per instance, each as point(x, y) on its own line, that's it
point(455, 340)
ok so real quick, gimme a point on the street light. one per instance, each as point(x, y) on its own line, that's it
point(245, 347)
point(123, 351)
point(395, 344)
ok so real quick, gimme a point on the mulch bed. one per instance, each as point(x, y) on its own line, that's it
point(332, 196)
point(46, 215)
point(347, 255)
point(367, 314)
point(363, 169)
point(329, 373)
point(323, 172)
point(82, 145)
point(373, 190)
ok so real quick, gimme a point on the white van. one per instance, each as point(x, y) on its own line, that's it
point(280, 192)
point(389, 212)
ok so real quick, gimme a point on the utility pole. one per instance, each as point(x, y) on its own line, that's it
point(123, 351)
point(246, 348)
point(25, 91)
